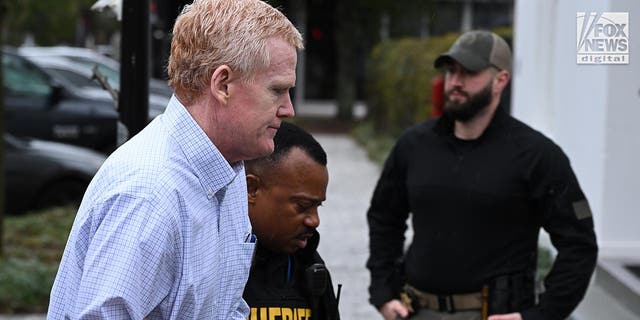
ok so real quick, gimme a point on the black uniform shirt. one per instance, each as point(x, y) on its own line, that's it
point(477, 207)
point(276, 287)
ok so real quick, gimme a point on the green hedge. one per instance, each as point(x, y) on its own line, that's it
point(25, 285)
point(33, 247)
point(399, 81)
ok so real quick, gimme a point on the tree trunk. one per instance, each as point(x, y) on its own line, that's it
point(347, 29)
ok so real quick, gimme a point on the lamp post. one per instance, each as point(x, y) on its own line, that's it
point(133, 101)
point(3, 7)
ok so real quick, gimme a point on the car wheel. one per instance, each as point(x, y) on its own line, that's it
point(61, 193)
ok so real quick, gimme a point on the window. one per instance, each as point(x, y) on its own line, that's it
point(74, 78)
point(113, 76)
point(23, 79)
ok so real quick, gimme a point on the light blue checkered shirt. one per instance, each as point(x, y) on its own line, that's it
point(160, 233)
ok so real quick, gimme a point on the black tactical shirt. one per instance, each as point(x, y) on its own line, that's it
point(477, 208)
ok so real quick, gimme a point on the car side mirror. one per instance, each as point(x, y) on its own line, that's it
point(57, 94)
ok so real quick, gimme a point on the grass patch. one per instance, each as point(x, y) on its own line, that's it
point(33, 246)
point(376, 144)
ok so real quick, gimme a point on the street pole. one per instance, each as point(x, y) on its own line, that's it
point(299, 9)
point(133, 102)
point(3, 7)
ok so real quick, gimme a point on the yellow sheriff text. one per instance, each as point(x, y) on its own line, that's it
point(279, 313)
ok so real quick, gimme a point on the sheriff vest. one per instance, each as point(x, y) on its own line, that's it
point(279, 313)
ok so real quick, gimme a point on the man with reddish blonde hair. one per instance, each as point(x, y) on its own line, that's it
point(163, 230)
point(209, 34)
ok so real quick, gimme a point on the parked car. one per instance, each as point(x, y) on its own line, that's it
point(40, 174)
point(37, 105)
point(89, 58)
point(79, 77)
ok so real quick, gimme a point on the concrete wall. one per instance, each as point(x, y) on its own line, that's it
point(589, 110)
point(622, 179)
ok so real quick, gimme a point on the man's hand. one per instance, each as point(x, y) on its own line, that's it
point(510, 316)
point(394, 308)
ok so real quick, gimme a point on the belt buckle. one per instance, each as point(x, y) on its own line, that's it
point(407, 300)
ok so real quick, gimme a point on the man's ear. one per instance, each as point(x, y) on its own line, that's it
point(220, 80)
point(253, 186)
point(501, 80)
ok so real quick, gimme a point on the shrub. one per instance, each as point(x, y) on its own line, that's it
point(399, 81)
point(25, 285)
point(34, 244)
point(377, 145)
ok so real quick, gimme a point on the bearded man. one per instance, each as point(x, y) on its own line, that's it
point(479, 185)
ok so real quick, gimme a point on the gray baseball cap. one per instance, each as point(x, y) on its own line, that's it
point(478, 50)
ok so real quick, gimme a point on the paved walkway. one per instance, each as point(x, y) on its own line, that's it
point(343, 228)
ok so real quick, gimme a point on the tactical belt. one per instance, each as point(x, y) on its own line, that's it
point(445, 302)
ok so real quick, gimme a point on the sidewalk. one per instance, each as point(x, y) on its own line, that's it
point(344, 240)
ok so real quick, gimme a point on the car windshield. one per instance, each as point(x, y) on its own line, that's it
point(112, 75)
point(74, 78)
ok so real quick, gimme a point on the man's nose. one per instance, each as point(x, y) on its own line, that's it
point(455, 78)
point(286, 110)
point(312, 220)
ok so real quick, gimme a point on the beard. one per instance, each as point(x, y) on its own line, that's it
point(465, 111)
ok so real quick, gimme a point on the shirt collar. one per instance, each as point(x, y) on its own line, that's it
point(211, 168)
